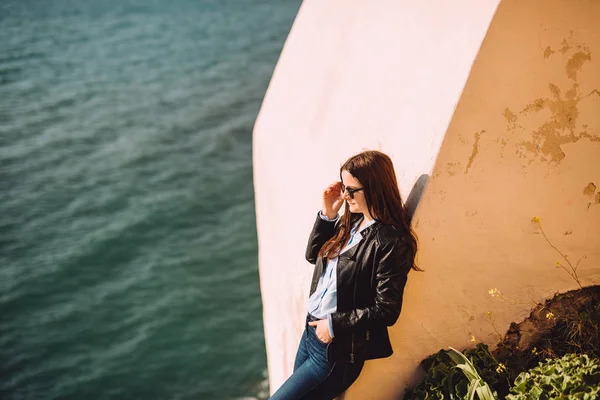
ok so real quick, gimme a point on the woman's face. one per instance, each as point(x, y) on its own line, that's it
point(358, 204)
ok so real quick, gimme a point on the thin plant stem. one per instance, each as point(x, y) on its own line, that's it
point(488, 316)
point(574, 269)
point(577, 265)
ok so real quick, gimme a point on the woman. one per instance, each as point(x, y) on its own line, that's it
point(361, 264)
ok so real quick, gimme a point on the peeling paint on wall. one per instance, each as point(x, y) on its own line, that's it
point(511, 119)
point(451, 168)
point(576, 62)
point(475, 150)
point(565, 45)
point(590, 137)
point(589, 189)
point(561, 128)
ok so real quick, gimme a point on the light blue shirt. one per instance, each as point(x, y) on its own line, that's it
point(323, 301)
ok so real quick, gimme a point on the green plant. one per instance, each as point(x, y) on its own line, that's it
point(444, 381)
point(476, 384)
point(570, 377)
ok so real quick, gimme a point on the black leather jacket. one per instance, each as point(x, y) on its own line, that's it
point(370, 282)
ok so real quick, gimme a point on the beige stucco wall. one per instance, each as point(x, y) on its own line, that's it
point(524, 141)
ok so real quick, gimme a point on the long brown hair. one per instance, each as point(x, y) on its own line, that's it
point(375, 171)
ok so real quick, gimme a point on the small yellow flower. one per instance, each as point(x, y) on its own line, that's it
point(534, 350)
point(535, 219)
point(473, 339)
point(549, 315)
point(493, 292)
point(500, 368)
point(488, 313)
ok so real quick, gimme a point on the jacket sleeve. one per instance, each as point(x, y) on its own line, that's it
point(322, 231)
point(394, 264)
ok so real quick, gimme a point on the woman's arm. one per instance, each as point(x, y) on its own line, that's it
point(392, 270)
point(322, 231)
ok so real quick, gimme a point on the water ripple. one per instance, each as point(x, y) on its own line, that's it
point(128, 259)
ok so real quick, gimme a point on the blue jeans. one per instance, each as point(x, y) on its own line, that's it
point(314, 377)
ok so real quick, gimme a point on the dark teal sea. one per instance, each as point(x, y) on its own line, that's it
point(128, 250)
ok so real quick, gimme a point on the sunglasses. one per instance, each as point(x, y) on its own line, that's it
point(350, 190)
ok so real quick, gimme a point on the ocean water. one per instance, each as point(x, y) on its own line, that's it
point(128, 251)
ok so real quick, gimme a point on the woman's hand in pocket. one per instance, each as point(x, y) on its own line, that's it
point(322, 330)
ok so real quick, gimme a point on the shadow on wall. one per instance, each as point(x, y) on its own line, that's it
point(415, 196)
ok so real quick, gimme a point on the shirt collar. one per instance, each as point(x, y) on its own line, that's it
point(368, 224)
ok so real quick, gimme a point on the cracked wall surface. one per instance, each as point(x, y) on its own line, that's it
point(518, 137)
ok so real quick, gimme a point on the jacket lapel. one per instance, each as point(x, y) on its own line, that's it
point(351, 252)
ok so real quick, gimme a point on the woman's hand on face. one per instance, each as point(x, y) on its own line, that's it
point(322, 330)
point(332, 200)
